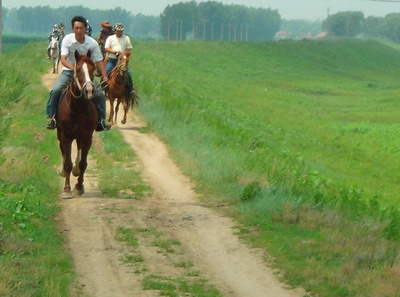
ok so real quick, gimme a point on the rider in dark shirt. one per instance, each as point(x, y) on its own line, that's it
point(106, 31)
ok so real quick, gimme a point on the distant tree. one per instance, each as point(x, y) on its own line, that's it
point(373, 26)
point(344, 24)
point(145, 26)
point(300, 27)
point(390, 27)
point(212, 20)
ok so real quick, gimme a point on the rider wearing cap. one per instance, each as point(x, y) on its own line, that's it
point(115, 45)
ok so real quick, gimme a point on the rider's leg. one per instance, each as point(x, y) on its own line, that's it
point(100, 100)
point(110, 65)
point(48, 51)
point(54, 97)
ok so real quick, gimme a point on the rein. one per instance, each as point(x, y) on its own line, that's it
point(116, 72)
point(80, 87)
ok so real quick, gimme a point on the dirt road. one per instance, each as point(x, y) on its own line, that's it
point(180, 242)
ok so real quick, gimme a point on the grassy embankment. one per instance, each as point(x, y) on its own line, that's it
point(301, 139)
point(15, 41)
point(33, 261)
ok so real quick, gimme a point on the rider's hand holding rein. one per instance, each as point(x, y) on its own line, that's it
point(101, 67)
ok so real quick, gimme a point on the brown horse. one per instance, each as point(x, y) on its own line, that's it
point(117, 89)
point(76, 120)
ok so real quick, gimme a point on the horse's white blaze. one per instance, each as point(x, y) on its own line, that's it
point(86, 72)
point(88, 84)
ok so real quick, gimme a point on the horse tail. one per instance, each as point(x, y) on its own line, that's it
point(133, 98)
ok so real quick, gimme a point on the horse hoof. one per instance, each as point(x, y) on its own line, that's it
point(79, 191)
point(123, 122)
point(61, 172)
point(76, 171)
point(66, 195)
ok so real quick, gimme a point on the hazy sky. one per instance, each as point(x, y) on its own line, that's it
point(289, 9)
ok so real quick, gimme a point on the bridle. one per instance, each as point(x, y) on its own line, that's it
point(78, 84)
point(120, 69)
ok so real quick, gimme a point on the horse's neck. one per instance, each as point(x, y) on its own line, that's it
point(119, 78)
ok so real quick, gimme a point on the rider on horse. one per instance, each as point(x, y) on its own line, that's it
point(78, 41)
point(54, 33)
point(107, 30)
point(115, 45)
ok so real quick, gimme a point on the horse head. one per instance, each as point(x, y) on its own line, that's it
point(123, 61)
point(83, 75)
point(54, 43)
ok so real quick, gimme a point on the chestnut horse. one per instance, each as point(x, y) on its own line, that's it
point(117, 89)
point(54, 53)
point(76, 120)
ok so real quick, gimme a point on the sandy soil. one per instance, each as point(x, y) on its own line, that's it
point(208, 247)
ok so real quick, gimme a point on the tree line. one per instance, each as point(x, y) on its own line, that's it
point(40, 20)
point(213, 20)
point(353, 24)
point(209, 20)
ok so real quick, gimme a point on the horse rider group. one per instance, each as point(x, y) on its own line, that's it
point(110, 44)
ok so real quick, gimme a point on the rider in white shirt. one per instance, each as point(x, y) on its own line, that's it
point(78, 41)
point(115, 45)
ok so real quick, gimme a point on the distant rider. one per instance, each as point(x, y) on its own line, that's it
point(106, 31)
point(115, 45)
point(54, 33)
point(89, 28)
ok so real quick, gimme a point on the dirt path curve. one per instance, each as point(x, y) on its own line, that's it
point(206, 240)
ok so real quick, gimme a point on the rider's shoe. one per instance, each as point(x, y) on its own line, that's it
point(102, 126)
point(51, 125)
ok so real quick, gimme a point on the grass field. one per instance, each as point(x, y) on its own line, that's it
point(33, 260)
point(300, 137)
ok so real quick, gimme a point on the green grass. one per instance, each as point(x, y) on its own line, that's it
point(300, 138)
point(33, 261)
point(176, 287)
point(120, 171)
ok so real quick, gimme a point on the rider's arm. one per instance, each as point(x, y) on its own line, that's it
point(65, 62)
point(100, 67)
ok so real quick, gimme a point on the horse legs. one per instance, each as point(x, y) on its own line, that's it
point(76, 170)
point(67, 167)
point(126, 107)
point(79, 187)
point(111, 115)
point(116, 110)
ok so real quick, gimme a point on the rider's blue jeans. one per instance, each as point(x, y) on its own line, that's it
point(60, 84)
point(110, 66)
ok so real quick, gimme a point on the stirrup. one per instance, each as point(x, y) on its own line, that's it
point(51, 125)
point(102, 126)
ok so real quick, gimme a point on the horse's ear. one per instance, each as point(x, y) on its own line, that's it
point(89, 53)
point(77, 56)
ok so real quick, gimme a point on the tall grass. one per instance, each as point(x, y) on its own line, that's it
point(33, 261)
point(300, 138)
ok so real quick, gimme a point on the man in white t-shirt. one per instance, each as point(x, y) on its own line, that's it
point(78, 41)
point(115, 45)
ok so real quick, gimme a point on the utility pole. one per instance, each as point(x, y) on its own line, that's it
point(1, 26)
